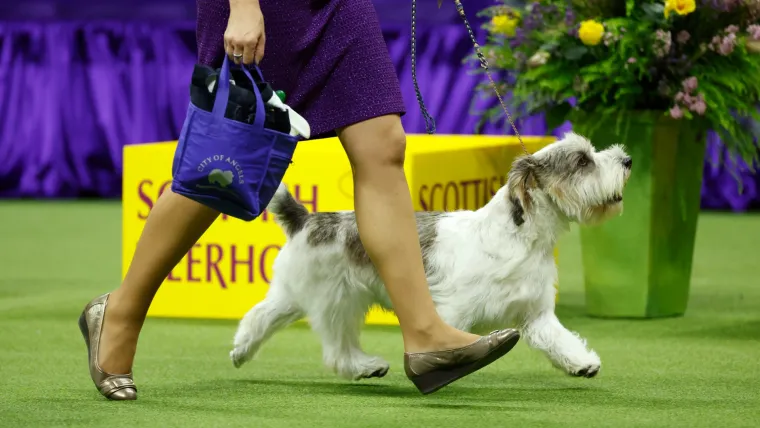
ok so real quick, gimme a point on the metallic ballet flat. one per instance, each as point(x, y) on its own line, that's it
point(113, 387)
point(431, 371)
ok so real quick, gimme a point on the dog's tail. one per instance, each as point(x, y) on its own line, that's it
point(289, 214)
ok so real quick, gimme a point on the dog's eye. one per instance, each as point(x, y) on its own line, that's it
point(582, 161)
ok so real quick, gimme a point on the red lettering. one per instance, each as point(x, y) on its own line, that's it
point(263, 259)
point(190, 262)
point(436, 186)
point(145, 198)
point(212, 263)
point(234, 262)
point(478, 204)
point(481, 189)
point(422, 198)
point(450, 185)
point(464, 185)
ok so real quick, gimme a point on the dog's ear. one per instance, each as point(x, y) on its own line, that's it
point(521, 180)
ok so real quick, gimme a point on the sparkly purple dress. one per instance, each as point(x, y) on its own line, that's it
point(329, 56)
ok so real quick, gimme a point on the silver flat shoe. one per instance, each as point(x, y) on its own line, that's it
point(111, 386)
point(431, 371)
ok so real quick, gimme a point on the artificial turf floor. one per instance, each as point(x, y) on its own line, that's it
point(702, 370)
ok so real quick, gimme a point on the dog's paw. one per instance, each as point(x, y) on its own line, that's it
point(585, 365)
point(375, 368)
point(379, 372)
point(587, 372)
point(240, 356)
point(363, 369)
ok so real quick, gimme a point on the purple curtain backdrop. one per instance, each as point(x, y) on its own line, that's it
point(74, 91)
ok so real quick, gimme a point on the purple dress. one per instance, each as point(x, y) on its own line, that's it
point(329, 56)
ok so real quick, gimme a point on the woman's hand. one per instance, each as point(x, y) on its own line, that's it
point(244, 37)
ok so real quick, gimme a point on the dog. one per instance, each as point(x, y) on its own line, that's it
point(493, 267)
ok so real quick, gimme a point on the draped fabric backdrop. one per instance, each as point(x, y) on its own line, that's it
point(79, 79)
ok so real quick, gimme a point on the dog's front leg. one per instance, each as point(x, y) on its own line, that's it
point(565, 349)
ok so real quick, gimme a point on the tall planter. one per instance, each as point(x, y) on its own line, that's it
point(638, 265)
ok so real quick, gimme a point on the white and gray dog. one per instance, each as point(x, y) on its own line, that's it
point(493, 267)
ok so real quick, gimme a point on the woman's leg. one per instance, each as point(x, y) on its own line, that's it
point(387, 227)
point(173, 226)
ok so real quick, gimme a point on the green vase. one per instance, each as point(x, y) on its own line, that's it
point(638, 265)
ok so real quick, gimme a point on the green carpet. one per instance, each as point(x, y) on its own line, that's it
point(702, 370)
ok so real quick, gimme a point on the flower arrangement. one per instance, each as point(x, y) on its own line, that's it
point(689, 59)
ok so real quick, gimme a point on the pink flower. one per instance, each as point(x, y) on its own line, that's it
point(676, 112)
point(754, 31)
point(732, 29)
point(663, 42)
point(679, 97)
point(723, 45)
point(727, 44)
point(683, 37)
point(690, 84)
point(631, 60)
point(699, 107)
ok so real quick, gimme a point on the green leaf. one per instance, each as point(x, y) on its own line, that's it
point(557, 115)
point(575, 53)
point(629, 6)
point(654, 11)
point(549, 46)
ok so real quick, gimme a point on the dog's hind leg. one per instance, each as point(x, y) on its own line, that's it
point(273, 313)
point(339, 321)
point(564, 348)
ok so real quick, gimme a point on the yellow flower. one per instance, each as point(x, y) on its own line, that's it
point(590, 32)
point(505, 24)
point(681, 7)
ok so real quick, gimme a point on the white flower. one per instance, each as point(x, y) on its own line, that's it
point(538, 59)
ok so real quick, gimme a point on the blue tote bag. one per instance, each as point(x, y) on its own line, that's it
point(230, 166)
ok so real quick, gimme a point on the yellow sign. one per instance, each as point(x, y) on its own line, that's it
point(229, 269)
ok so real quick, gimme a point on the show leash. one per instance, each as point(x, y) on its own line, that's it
point(429, 121)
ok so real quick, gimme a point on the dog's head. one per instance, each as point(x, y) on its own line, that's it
point(585, 185)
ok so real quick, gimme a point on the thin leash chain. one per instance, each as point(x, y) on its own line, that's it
point(483, 64)
point(429, 121)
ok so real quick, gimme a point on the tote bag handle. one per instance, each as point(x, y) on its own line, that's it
point(223, 94)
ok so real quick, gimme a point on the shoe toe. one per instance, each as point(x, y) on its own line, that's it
point(506, 335)
point(124, 394)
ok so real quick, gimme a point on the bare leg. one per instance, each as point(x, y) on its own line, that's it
point(174, 225)
point(387, 227)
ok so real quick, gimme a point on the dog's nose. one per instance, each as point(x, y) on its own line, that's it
point(627, 161)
